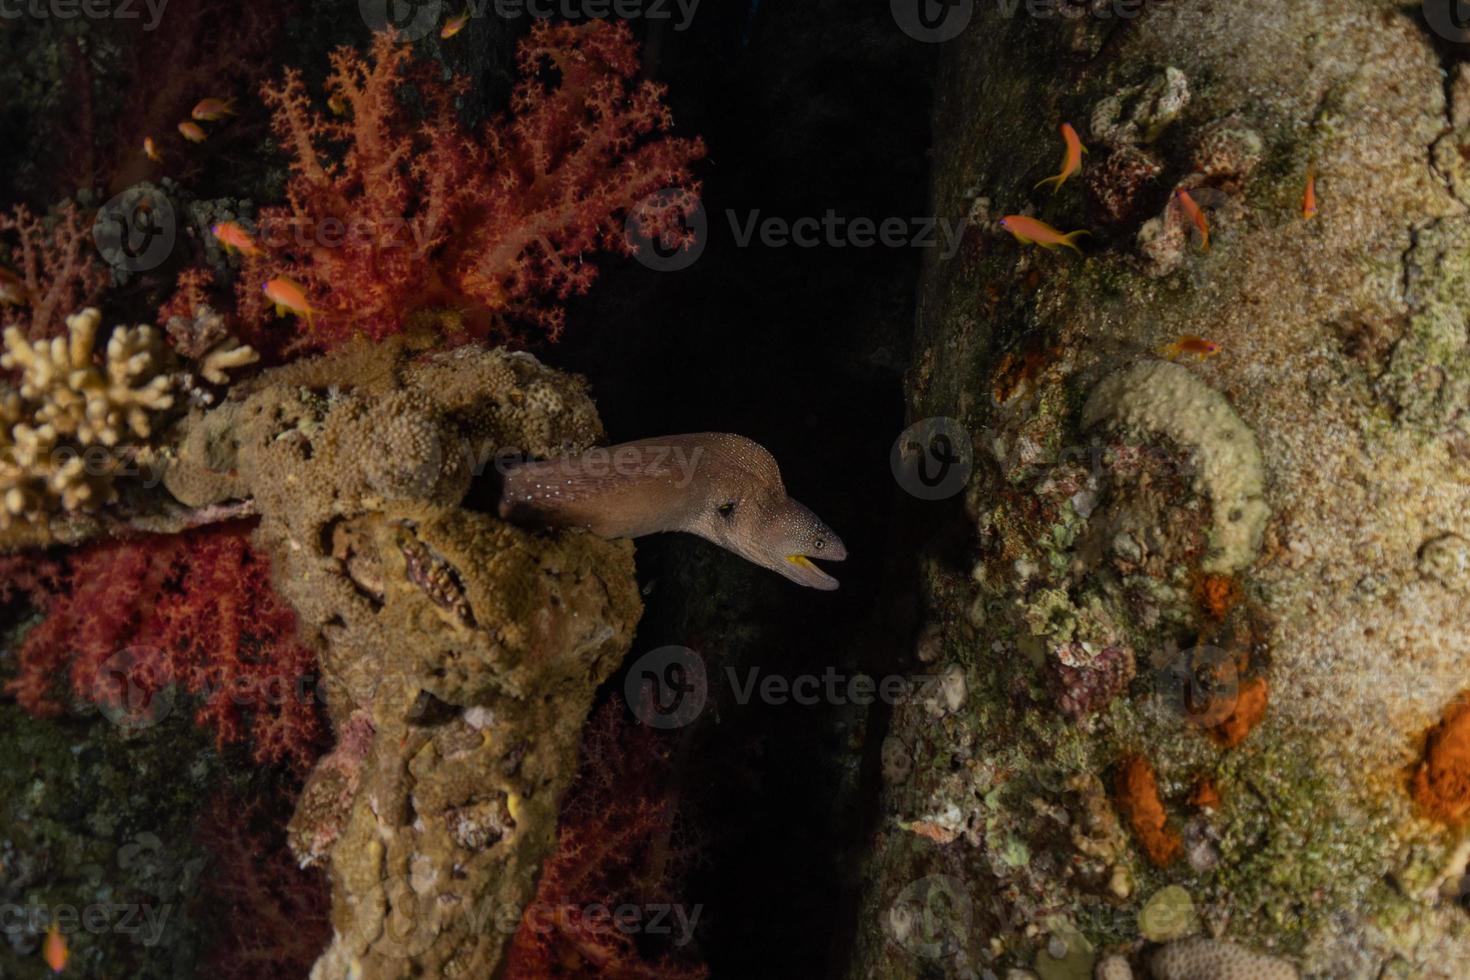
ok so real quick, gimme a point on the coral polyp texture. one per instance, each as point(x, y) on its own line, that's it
point(79, 419)
point(459, 654)
point(394, 217)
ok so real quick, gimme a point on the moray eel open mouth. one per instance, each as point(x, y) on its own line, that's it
point(800, 569)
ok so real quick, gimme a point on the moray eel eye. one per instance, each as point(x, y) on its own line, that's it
point(727, 508)
point(818, 544)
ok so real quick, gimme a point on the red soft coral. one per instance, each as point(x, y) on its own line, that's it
point(389, 214)
point(127, 619)
point(57, 265)
point(619, 844)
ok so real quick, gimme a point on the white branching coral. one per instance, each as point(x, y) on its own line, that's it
point(75, 422)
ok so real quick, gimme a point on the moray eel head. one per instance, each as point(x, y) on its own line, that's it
point(778, 533)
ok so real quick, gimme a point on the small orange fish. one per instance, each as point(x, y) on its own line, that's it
point(213, 110)
point(54, 950)
point(150, 150)
point(454, 25)
point(1071, 159)
point(289, 297)
point(1195, 214)
point(1190, 344)
point(338, 105)
point(1309, 199)
point(235, 238)
point(1029, 231)
point(13, 290)
point(192, 132)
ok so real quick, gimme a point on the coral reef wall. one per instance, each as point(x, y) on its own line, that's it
point(1196, 710)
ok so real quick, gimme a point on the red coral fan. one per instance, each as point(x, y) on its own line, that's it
point(389, 214)
point(127, 619)
point(57, 265)
point(618, 852)
point(272, 917)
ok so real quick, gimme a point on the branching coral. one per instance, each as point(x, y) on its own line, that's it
point(272, 917)
point(55, 266)
point(419, 215)
point(65, 405)
point(618, 844)
point(74, 426)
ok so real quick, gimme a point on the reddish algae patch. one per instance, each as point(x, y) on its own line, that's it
point(1250, 708)
point(1137, 792)
point(1441, 784)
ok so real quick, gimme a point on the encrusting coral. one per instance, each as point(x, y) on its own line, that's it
point(459, 654)
point(75, 424)
point(1214, 959)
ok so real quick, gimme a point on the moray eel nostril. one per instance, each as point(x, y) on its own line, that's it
point(723, 487)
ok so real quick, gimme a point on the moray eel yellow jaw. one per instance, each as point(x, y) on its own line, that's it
point(796, 536)
point(806, 573)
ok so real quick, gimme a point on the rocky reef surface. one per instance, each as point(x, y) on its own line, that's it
point(1196, 712)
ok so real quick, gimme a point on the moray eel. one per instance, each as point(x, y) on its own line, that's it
point(724, 488)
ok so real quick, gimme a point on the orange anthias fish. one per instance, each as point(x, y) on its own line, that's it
point(1309, 199)
point(288, 296)
point(150, 150)
point(1190, 344)
point(1029, 231)
point(1195, 214)
point(54, 950)
point(454, 25)
point(235, 238)
point(213, 110)
point(1071, 159)
point(192, 132)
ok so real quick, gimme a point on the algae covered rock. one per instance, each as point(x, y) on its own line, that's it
point(460, 654)
point(1242, 576)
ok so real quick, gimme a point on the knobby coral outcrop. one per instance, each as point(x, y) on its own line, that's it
point(460, 654)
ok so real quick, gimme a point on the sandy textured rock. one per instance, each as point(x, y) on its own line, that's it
point(1279, 526)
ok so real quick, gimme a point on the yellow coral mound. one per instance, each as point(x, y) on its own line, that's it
point(76, 423)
